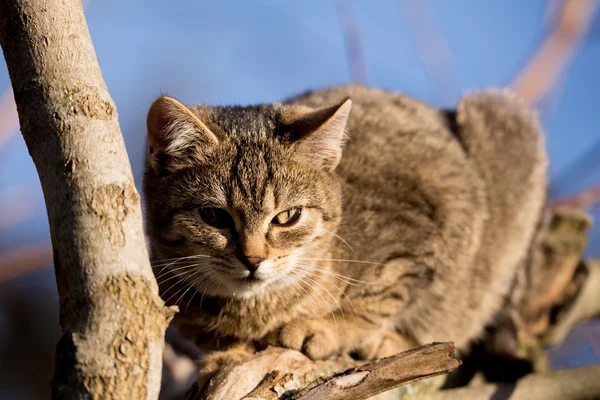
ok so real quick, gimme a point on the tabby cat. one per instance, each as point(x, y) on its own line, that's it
point(348, 219)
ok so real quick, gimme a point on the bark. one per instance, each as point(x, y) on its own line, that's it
point(112, 318)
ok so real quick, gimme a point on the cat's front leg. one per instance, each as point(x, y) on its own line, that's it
point(322, 338)
point(209, 364)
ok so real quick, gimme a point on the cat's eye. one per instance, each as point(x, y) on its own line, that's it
point(216, 217)
point(287, 217)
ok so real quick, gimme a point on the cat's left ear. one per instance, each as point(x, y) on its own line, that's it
point(319, 135)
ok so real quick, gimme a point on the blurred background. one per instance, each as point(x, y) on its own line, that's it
point(267, 50)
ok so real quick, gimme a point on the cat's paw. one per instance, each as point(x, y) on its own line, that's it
point(383, 343)
point(211, 363)
point(315, 338)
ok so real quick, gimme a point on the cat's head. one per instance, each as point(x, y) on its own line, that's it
point(242, 200)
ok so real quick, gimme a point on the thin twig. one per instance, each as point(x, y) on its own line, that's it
point(584, 199)
point(18, 204)
point(9, 119)
point(433, 50)
point(24, 260)
point(351, 34)
point(542, 72)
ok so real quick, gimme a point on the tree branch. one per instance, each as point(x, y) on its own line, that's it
point(278, 373)
point(112, 319)
point(574, 383)
point(548, 63)
point(433, 50)
point(351, 35)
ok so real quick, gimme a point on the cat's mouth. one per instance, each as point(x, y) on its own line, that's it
point(252, 278)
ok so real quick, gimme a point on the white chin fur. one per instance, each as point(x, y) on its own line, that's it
point(268, 279)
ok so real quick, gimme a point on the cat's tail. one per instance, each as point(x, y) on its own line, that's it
point(505, 142)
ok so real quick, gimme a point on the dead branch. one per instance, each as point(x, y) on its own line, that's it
point(288, 374)
point(383, 374)
point(112, 319)
point(551, 280)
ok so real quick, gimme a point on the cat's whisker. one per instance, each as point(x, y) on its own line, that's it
point(166, 265)
point(346, 279)
point(323, 298)
point(317, 266)
point(329, 293)
point(168, 262)
point(201, 284)
point(339, 260)
point(340, 238)
point(185, 287)
point(338, 288)
point(179, 258)
point(306, 291)
point(202, 297)
point(287, 280)
point(169, 271)
point(184, 268)
point(191, 284)
point(199, 263)
point(173, 285)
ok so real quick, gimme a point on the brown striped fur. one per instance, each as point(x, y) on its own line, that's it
point(435, 209)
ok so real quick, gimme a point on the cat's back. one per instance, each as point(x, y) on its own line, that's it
point(399, 166)
point(461, 191)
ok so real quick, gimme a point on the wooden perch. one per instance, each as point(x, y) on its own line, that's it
point(278, 373)
point(383, 374)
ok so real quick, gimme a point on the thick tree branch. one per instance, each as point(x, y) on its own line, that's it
point(112, 318)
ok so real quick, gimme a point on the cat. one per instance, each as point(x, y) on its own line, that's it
point(344, 220)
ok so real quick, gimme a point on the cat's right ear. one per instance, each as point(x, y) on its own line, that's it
point(177, 138)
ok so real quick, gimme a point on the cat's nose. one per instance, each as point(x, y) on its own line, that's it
point(252, 262)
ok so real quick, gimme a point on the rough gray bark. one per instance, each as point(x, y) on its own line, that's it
point(112, 319)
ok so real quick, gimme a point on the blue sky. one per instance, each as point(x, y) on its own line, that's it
point(242, 52)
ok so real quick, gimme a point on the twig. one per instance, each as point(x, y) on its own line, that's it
point(9, 117)
point(544, 69)
point(574, 383)
point(383, 374)
point(354, 52)
point(18, 204)
point(584, 199)
point(433, 50)
point(24, 260)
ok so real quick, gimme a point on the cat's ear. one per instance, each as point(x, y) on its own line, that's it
point(319, 135)
point(176, 136)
